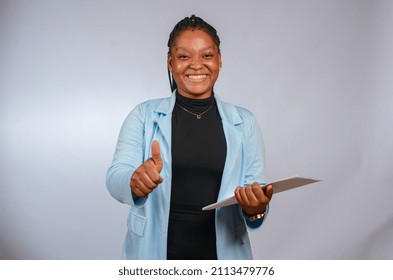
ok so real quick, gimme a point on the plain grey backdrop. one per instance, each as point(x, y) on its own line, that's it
point(317, 74)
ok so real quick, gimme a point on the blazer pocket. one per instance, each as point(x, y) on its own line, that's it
point(243, 234)
point(136, 223)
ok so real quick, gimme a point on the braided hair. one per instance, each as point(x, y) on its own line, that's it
point(190, 23)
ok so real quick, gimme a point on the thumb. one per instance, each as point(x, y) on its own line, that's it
point(155, 155)
point(269, 191)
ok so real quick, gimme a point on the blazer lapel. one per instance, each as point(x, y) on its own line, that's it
point(164, 117)
point(232, 125)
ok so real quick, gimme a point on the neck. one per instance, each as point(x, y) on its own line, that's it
point(196, 105)
point(195, 96)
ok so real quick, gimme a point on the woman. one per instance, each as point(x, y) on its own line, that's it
point(175, 155)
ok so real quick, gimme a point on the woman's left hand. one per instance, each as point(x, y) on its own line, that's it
point(254, 198)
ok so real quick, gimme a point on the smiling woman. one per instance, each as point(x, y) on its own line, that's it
point(194, 61)
point(176, 155)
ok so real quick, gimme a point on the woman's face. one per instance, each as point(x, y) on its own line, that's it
point(194, 61)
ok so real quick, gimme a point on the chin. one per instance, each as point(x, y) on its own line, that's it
point(198, 94)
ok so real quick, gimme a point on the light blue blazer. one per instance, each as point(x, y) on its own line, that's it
point(148, 217)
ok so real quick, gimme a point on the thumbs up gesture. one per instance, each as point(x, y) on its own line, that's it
point(147, 176)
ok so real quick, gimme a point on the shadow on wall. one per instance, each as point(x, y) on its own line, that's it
point(6, 253)
point(379, 245)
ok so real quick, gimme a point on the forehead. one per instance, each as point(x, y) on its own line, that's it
point(194, 39)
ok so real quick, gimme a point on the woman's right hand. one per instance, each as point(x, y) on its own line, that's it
point(147, 176)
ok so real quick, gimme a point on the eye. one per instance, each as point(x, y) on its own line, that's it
point(208, 56)
point(182, 56)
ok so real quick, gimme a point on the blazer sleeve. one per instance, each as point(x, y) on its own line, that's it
point(254, 151)
point(129, 155)
point(254, 160)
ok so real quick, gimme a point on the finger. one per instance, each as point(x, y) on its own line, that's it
point(137, 192)
point(243, 197)
point(147, 181)
point(155, 155)
point(138, 188)
point(154, 176)
point(254, 194)
point(265, 194)
point(237, 195)
point(140, 182)
point(269, 192)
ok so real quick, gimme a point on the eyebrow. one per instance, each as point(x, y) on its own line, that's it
point(185, 49)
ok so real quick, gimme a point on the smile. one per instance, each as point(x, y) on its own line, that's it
point(196, 77)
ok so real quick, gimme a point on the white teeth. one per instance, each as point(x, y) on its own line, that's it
point(196, 77)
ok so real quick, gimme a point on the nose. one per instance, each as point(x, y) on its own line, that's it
point(196, 64)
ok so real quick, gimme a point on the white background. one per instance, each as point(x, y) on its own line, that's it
point(317, 74)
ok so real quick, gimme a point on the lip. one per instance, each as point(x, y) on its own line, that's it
point(196, 77)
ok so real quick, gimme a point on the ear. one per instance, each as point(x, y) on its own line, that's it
point(169, 62)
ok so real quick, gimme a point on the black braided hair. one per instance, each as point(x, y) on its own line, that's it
point(190, 23)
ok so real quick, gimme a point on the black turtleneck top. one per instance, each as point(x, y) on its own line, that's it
point(198, 158)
